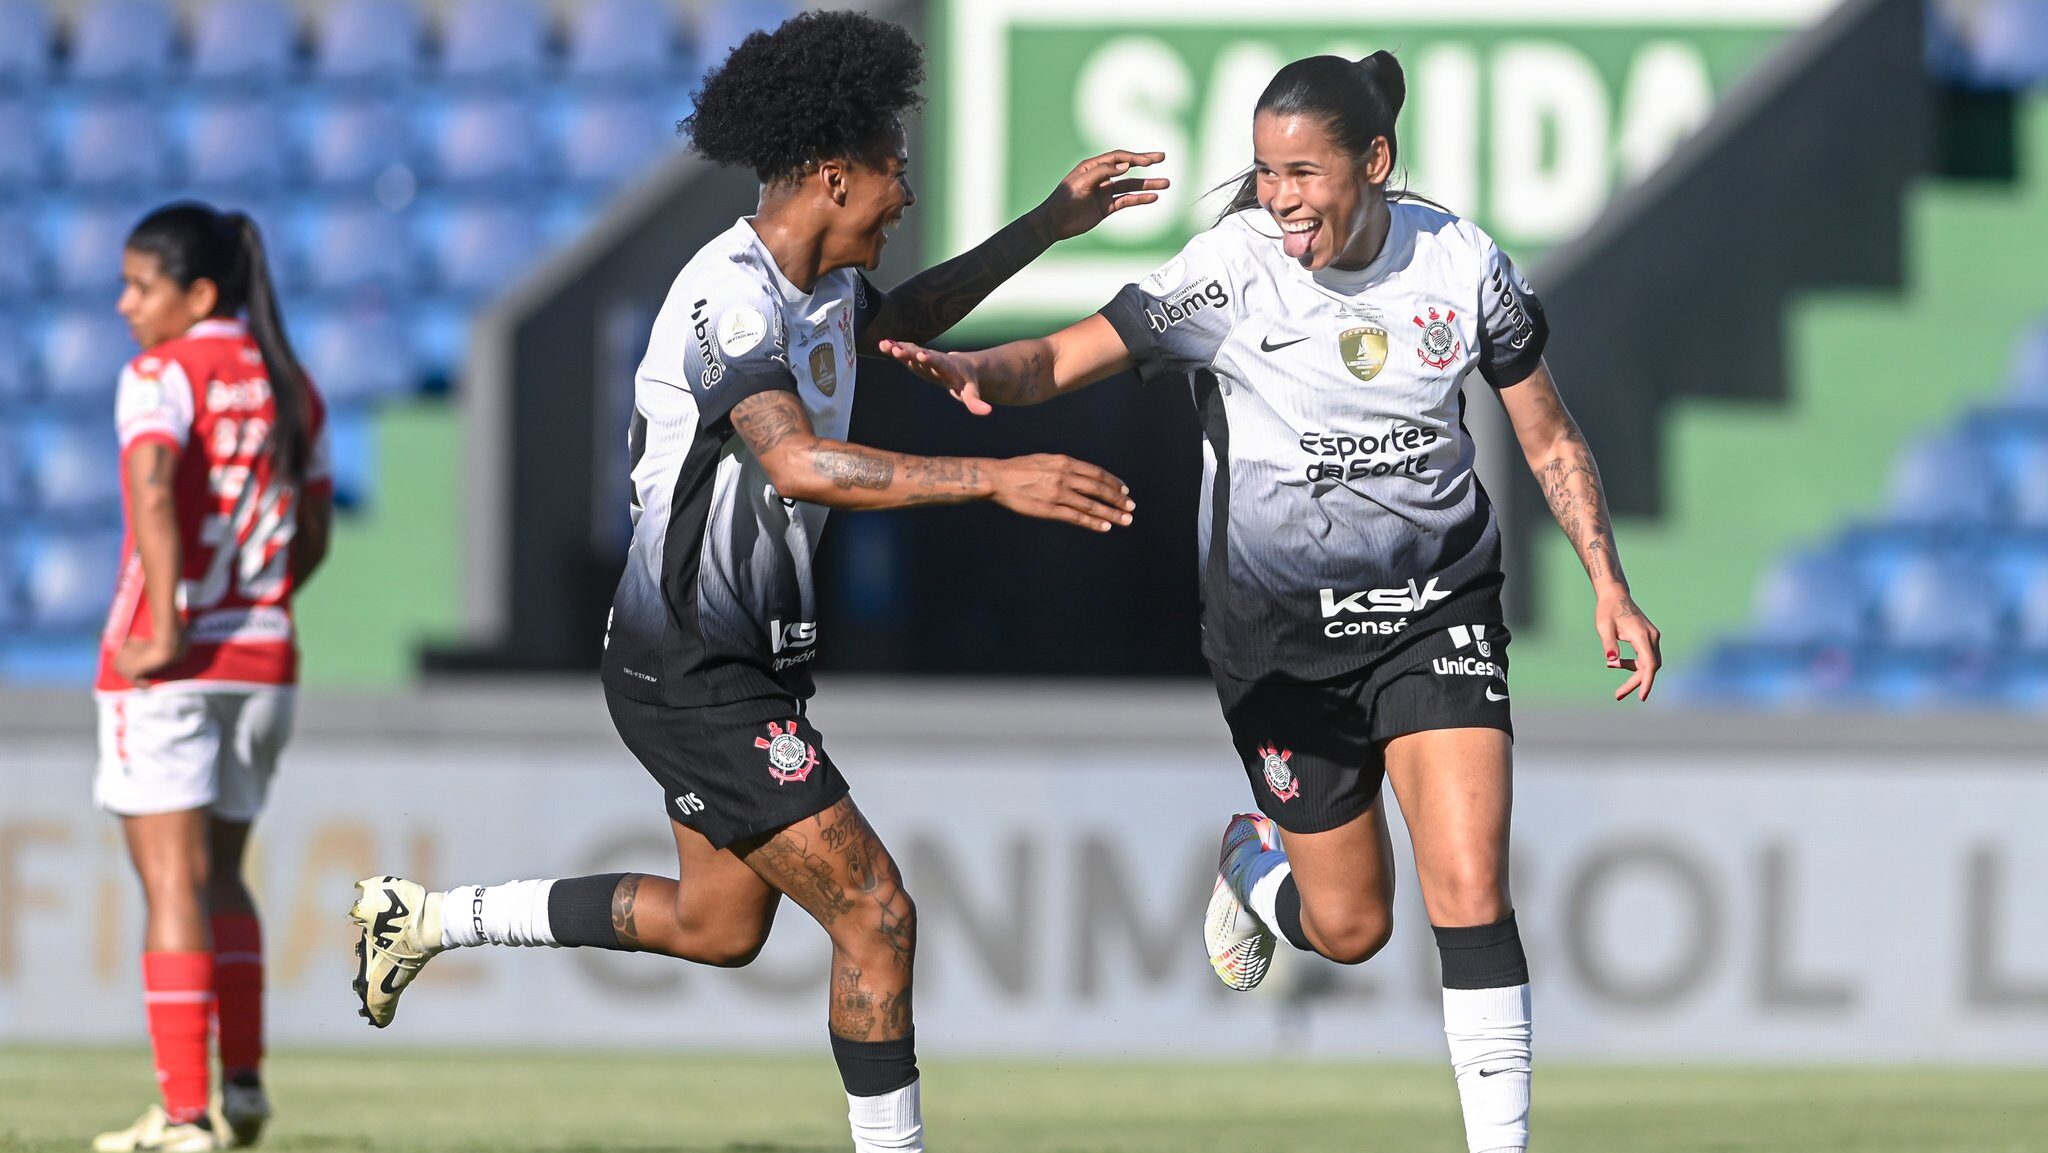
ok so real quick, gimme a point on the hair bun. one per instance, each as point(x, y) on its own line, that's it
point(1386, 75)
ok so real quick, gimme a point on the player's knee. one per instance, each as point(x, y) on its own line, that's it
point(731, 953)
point(881, 928)
point(1355, 938)
point(1471, 894)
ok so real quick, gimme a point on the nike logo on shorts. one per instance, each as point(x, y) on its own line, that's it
point(1266, 344)
point(1492, 696)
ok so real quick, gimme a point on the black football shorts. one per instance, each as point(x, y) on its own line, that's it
point(731, 771)
point(1314, 751)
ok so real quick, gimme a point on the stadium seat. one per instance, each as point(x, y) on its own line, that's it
point(366, 41)
point(2008, 43)
point(125, 42)
point(16, 497)
point(608, 139)
point(84, 349)
point(359, 246)
point(68, 578)
point(1943, 483)
point(2020, 454)
point(2028, 378)
point(24, 151)
point(356, 357)
point(69, 659)
point(493, 40)
point(21, 272)
point(1940, 602)
point(1810, 599)
point(243, 42)
point(85, 249)
point(350, 142)
point(353, 436)
point(13, 601)
point(483, 248)
point(73, 467)
point(17, 364)
point(239, 145)
point(721, 26)
point(487, 142)
point(114, 145)
point(24, 43)
point(621, 42)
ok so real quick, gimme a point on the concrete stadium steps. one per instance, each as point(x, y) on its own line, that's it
point(1866, 373)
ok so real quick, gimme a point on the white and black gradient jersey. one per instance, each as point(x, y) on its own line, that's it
point(716, 604)
point(1340, 509)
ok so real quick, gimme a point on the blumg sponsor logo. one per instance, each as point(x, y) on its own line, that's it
point(1171, 312)
point(700, 327)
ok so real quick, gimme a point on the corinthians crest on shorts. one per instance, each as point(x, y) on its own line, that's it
point(790, 757)
point(1279, 777)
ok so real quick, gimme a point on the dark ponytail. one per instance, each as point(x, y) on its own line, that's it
point(192, 242)
point(1357, 100)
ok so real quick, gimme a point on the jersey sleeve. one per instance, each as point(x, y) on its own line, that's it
point(153, 402)
point(1174, 321)
point(867, 304)
point(734, 346)
point(1512, 328)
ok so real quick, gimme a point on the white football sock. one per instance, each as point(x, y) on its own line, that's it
point(515, 913)
point(890, 1123)
point(1265, 876)
point(1488, 1030)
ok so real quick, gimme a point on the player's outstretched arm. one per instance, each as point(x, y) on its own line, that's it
point(1022, 371)
point(1563, 464)
point(925, 306)
point(805, 466)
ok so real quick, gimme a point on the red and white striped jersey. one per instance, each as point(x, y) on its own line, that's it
point(206, 393)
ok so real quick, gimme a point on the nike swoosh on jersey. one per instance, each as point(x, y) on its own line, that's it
point(1266, 343)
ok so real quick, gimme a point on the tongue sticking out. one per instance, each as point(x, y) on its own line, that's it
point(1295, 244)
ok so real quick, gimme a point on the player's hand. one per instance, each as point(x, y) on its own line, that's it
point(950, 371)
point(1062, 488)
point(138, 661)
point(1096, 188)
point(1619, 620)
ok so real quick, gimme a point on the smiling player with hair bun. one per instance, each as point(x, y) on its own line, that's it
point(741, 407)
point(1351, 574)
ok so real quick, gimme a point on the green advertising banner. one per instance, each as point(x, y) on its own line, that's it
point(1525, 116)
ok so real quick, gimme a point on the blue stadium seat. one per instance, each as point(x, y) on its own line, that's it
point(16, 497)
point(17, 363)
point(366, 41)
point(243, 42)
point(440, 336)
point(2009, 43)
point(24, 43)
point(70, 659)
point(1811, 599)
point(1943, 483)
point(85, 249)
point(24, 150)
point(115, 144)
point(721, 26)
point(1940, 601)
point(488, 142)
point(21, 269)
point(621, 42)
point(13, 602)
point(125, 42)
point(241, 145)
point(2028, 379)
point(359, 246)
point(608, 139)
point(73, 467)
point(353, 436)
point(493, 40)
point(349, 142)
point(83, 351)
point(68, 578)
point(356, 356)
point(2020, 454)
point(483, 248)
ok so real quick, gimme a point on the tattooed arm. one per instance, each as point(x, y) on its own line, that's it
point(926, 305)
point(1563, 464)
point(805, 466)
point(150, 468)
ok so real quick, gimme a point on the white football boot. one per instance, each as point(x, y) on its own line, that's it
point(399, 931)
point(154, 1133)
point(1240, 948)
point(239, 1112)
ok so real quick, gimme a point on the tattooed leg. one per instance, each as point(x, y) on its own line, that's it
point(834, 866)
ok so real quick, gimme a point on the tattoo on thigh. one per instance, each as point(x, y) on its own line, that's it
point(787, 862)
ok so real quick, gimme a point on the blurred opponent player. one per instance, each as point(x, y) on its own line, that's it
point(740, 407)
point(1351, 589)
point(224, 469)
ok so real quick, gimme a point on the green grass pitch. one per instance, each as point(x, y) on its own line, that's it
point(414, 1101)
